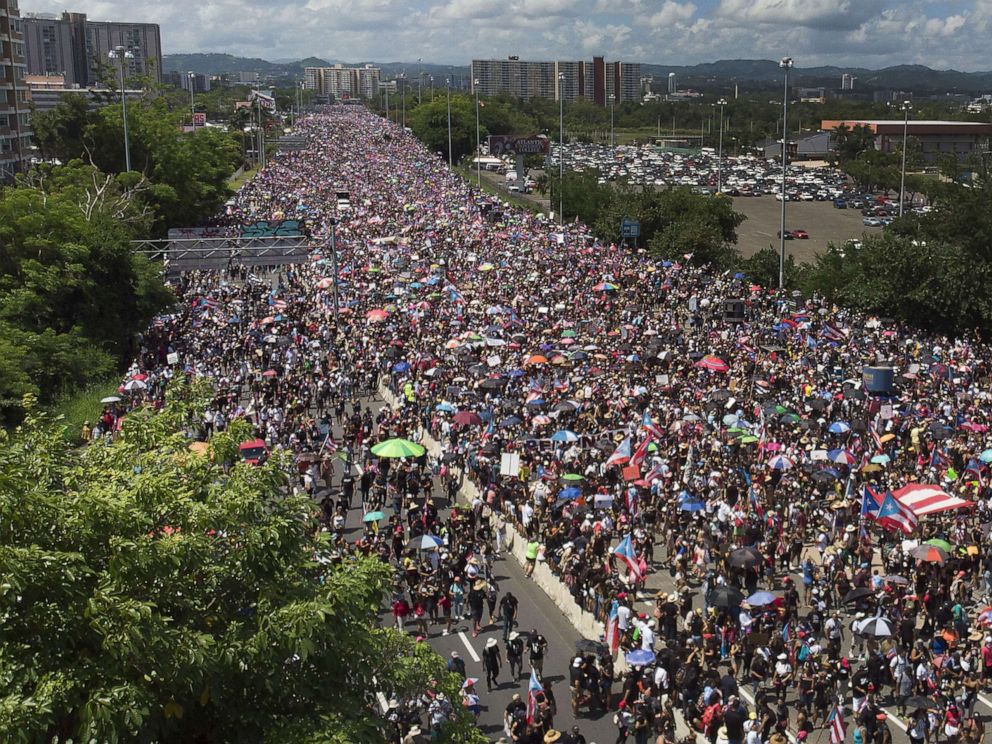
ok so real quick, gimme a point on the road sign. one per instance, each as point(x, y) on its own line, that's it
point(630, 229)
point(199, 119)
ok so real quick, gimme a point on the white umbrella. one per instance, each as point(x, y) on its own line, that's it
point(135, 385)
point(874, 627)
point(426, 542)
point(110, 399)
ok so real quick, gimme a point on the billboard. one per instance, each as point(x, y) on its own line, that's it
point(505, 144)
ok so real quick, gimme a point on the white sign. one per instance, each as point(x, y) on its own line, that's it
point(509, 464)
point(172, 358)
point(885, 411)
point(493, 361)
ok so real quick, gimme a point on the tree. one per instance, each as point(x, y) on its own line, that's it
point(154, 594)
point(429, 122)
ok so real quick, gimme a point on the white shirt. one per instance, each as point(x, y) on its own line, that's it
point(623, 617)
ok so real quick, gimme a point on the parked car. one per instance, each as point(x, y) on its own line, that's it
point(840, 204)
point(788, 235)
point(254, 451)
point(872, 222)
point(800, 235)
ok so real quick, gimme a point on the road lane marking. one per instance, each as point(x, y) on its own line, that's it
point(895, 720)
point(471, 651)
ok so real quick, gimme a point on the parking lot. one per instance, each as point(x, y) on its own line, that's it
point(821, 220)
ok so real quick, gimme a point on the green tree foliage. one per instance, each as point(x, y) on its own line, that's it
point(153, 594)
point(429, 122)
point(762, 268)
point(188, 172)
point(72, 293)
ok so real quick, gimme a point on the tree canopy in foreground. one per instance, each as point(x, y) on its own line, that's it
point(150, 593)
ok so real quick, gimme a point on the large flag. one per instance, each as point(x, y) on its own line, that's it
point(621, 454)
point(895, 516)
point(533, 688)
point(870, 503)
point(613, 628)
point(625, 552)
point(838, 731)
point(923, 499)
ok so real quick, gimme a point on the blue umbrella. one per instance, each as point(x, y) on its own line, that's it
point(445, 408)
point(516, 373)
point(401, 367)
point(509, 421)
point(839, 427)
point(986, 456)
point(640, 657)
point(739, 275)
point(692, 506)
point(564, 436)
point(572, 492)
point(759, 599)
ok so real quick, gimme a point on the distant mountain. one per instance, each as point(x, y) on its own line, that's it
point(219, 64)
point(916, 78)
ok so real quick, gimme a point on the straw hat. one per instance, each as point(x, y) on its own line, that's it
point(479, 585)
point(551, 736)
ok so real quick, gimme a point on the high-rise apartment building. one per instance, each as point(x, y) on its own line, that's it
point(15, 132)
point(592, 81)
point(847, 81)
point(340, 81)
point(77, 48)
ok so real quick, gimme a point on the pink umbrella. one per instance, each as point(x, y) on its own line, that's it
point(713, 364)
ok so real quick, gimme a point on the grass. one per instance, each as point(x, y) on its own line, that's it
point(84, 405)
point(236, 183)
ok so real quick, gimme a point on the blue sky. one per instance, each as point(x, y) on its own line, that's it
point(865, 33)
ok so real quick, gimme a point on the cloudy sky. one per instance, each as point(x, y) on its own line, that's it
point(866, 33)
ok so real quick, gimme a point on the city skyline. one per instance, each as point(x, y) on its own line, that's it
point(870, 33)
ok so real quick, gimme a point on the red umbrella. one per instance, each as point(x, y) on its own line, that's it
point(713, 364)
point(466, 418)
point(269, 373)
point(930, 553)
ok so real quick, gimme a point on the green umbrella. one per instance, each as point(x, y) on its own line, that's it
point(373, 516)
point(652, 447)
point(942, 544)
point(573, 477)
point(569, 334)
point(749, 439)
point(397, 448)
point(737, 430)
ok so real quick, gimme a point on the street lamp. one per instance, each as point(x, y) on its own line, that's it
point(478, 147)
point(432, 88)
point(447, 88)
point(719, 158)
point(118, 54)
point(420, 81)
point(403, 100)
point(906, 108)
point(613, 99)
point(561, 148)
point(386, 88)
point(191, 76)
point(785, 64)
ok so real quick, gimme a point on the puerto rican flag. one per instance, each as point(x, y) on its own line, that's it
point(613, 628)
point(651, 427)
point(895, 516)
point(871, 502)
point(625, 552)
point(621, 454)
point(835, 722)
point(641, 453)
point(488, 433)
point(533, 688)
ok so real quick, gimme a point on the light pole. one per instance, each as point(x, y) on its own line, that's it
point(432, 88)
point(719, 158)
point(420, 81)
point(447, 88)
point(387, 100)
point(191, 77)
point(785, 64)
point(403, 100)
point(118, 54)
point(613, 99)
point(561, 148)
point(906, 108)
point(478, 145)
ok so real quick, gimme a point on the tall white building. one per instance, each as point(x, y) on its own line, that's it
point(340, 81)
point(592, 81)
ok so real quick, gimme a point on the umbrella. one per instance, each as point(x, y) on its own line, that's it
point(725, 596)
point(373, 516)
point(640, 657)
point(929, 553)
point(540, 420)
point(573, 477)
point(780, 462)
point(874, 627)
point(942, 544)
point(444, 407)
point(745, 558)
point(572, 492)
point(893, 579)
point(730, 419)
point(110, 399)
point(585, 646)
point(692, 506)
point(986, 456)
point(713, 364)
point(401, 367)
point(376, 316)
point(881, 459)
point(839, 427)
point(134, 385)
point(509, 421)
point(535, 359)
point(857, 594)
point(466, 418)
point(397, 448)
point(841, 457)
point(917, 702)
point(270, 373)
point(759, 599)
point(604, 287)
point(425, 542)
point(564, 436)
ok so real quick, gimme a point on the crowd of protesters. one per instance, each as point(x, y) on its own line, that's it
point(723, 462)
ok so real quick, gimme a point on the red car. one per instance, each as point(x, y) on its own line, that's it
point(800, 234)
point(254, 451)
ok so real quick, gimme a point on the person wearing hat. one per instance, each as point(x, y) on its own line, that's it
point(552, 736)
point(537, 647)
point(456, 664)
point(476, 604)
point(492, 662)
point(514, 708)
point(515, 655)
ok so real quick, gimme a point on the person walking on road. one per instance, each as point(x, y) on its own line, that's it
point(537, 646)
point(508, 612)
point(456, 664)
point(492, 662)
point(515, 654)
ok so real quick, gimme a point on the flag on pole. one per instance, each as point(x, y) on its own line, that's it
point(613, 628)
point(895, 516)
point(625, 552)
point(621, 454)
point(533, 688)
point(870, 504)
point(835, 721)
point(651, 427)
point(641, 453)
